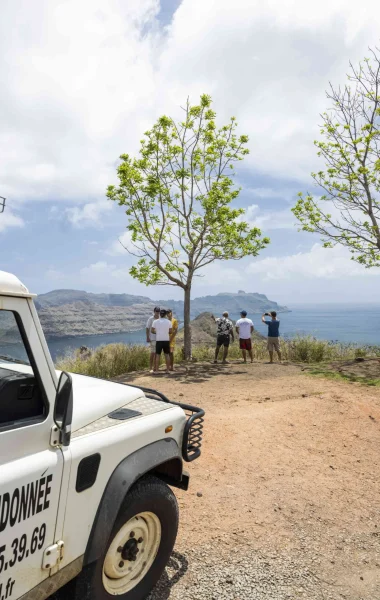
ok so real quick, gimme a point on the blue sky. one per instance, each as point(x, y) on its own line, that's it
point(82, 81)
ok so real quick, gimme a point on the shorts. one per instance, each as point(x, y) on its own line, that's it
point(273, 344)
point(223, 340)
point(152, 347)
point(163, 346)
point(245, 344)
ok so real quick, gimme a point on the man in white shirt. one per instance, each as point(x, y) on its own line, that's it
point(244, 329)
point(162, 328)
point(151, 337)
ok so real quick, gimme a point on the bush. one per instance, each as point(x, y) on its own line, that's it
point(360, 353)
point(107, 361)
point(110, 361)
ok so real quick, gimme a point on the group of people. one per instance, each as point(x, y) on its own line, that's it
point(244, 329)
point(162, 328)
point(161, 331)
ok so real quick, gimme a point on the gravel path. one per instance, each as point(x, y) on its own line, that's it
point(242, 573)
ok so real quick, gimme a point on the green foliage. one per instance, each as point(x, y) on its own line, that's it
point(108, 362)
point(361, 352)
point(348, 211)
point(177, 195)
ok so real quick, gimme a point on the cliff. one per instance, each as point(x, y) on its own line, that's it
point(77, 313)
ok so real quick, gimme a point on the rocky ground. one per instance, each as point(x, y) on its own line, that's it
point(284, 502)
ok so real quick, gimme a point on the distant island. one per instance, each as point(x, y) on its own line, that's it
point(72, 313)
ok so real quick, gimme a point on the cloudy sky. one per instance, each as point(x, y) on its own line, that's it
point(81, 80)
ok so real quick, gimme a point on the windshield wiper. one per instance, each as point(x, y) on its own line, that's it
point(13, 360)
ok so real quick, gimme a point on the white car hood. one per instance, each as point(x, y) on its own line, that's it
point(93, 398)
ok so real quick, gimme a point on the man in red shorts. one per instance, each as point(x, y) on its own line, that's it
point(244, 329)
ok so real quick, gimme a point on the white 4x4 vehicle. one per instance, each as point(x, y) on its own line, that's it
point(84, 468)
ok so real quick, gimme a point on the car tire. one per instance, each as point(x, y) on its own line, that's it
point(150, 513)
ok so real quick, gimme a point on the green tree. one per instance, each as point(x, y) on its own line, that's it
point(177, 195)
point(351, 182)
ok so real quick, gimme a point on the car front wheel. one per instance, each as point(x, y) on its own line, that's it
point(139, 547)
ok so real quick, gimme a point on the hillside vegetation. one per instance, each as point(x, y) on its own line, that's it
point(116, 359)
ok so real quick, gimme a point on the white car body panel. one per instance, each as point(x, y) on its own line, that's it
point(27, 454)
point(114, 445)
point(93, 398)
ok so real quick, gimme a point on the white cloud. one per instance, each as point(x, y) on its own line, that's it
point(119, 247)
point(88, 215)
point(9, 219)
point(104, 276)
point(54, 275)
point(104, 269)
point(268, 220)
point(318, 262)
point(269, 192)
point(81, 81)
point(270, 63)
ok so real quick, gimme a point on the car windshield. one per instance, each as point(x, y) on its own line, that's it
point(12, 347)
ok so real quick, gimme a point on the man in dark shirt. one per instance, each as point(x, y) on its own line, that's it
point(225, 331)
point(273, 334)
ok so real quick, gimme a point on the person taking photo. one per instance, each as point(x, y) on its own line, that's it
point(273, 334)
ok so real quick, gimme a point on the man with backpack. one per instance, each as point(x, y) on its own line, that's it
point(225, 333)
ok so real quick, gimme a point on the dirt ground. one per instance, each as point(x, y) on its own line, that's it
point(289, 476)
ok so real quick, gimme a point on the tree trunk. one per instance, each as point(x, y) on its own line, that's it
point(187, 326)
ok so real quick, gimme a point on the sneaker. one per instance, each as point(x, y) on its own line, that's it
point(151, 371)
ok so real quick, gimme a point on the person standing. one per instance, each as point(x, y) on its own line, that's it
point(244, 329)
point(151, 337)
point(162, 328)
point(273, 334)
point(172, 337)
point(225, 333)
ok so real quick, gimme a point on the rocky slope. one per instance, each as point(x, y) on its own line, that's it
point(77, 313)
point(203, 330)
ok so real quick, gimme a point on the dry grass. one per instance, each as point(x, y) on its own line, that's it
point(116, 359)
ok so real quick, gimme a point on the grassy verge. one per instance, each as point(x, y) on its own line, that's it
point(116, 359)
point(321, 372)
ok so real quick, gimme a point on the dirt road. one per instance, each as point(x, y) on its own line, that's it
point(285, 500)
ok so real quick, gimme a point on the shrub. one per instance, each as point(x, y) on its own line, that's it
point(110, 361)
point(360, 353)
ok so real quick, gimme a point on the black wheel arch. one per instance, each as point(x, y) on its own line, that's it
point(162, 459)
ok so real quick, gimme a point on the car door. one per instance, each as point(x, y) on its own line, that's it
point(30, 467)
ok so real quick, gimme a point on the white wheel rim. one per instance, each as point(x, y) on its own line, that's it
point(140, 537)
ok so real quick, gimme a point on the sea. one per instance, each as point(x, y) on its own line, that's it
point(349, 323)
point(357, 324)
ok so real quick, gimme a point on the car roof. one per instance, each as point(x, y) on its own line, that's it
point(10, 285)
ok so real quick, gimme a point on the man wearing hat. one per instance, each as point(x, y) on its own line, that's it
point(244, 329)
point(151, 337)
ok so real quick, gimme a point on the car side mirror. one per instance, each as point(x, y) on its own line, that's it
point(63, 409)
